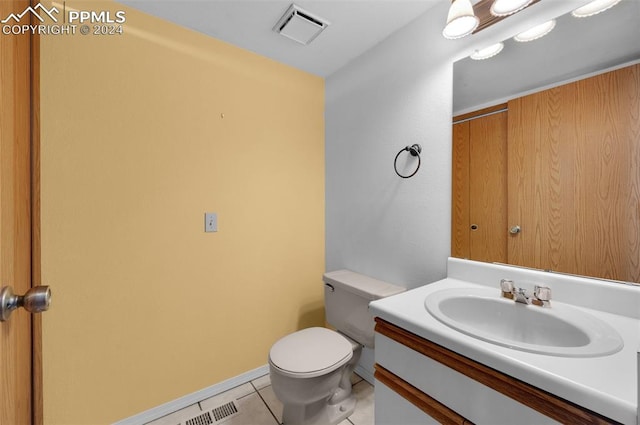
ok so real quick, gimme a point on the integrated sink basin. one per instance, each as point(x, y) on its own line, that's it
point(559, 330)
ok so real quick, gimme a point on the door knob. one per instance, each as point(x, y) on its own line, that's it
point(36, 300)
point(515, 230)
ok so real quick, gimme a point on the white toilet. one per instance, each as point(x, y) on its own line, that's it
point(311, 369)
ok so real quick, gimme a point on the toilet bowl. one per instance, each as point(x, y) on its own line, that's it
point(310, 374)
point(311, 369)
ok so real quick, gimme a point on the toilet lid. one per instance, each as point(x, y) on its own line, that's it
point(310, 352)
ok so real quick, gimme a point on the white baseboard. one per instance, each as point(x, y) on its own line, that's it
point(364, 369)
point(193, 398)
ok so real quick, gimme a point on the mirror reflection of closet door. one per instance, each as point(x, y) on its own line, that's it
point(574, 177)
point(479, 225)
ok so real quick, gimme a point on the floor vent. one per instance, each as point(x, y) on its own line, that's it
point(216, 416)
point(203, 419)
point(224, 412)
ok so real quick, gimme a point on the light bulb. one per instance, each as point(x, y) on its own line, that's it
point(487, 52)
point(508, 7)
point(536, 32)
point(594, 8)
point(461, 20)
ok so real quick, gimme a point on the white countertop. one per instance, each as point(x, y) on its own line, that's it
point(607, 385)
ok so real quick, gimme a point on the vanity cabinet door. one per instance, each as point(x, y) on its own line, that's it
point(391, 409)
point(442, 394)
point(456, 390)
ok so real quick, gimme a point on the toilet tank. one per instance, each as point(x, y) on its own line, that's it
point(346, 301)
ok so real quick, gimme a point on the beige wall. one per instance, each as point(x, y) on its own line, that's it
point(141, 134)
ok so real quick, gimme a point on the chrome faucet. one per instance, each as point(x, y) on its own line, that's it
point(521, 296)
point(541, 294)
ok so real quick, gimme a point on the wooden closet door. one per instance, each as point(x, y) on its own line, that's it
point(574, 177)
point(488, 188)
point(460, 193)
point(479, 230)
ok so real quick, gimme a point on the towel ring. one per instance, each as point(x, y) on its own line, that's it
point(414, 150)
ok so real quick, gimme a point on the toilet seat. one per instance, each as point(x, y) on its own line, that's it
point(310, 352)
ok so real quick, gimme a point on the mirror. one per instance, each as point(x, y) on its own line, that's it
point(575, 49)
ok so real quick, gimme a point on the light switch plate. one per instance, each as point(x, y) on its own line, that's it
point(210, 222)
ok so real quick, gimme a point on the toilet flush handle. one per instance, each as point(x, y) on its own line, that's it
point(331, 288)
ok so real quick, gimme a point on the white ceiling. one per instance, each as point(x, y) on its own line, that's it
point(356, 26)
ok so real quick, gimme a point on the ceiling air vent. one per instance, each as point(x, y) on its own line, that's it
point(300, 25)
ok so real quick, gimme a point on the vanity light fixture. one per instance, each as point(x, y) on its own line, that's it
point(594, 8)
point(471, 16)
point(461, 20)
point(536, 32)
point(508, 7)
point(487, 52)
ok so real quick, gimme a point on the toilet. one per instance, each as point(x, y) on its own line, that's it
point(311, 369)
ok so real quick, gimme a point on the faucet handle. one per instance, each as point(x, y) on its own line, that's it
point(506, 285)
point(542, 296)
point(543, 293)
point(507, 288)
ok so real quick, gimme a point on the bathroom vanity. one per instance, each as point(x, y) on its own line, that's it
point(461, 351)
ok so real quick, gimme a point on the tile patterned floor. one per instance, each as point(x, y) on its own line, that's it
point(258, 405)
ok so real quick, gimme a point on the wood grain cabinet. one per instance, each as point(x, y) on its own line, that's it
point(420, 382)
point(563, 164)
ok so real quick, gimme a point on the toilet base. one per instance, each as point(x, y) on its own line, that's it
point(327, 414)
point(341, 411)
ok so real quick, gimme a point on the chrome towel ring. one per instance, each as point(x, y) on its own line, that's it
point(414, 150)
